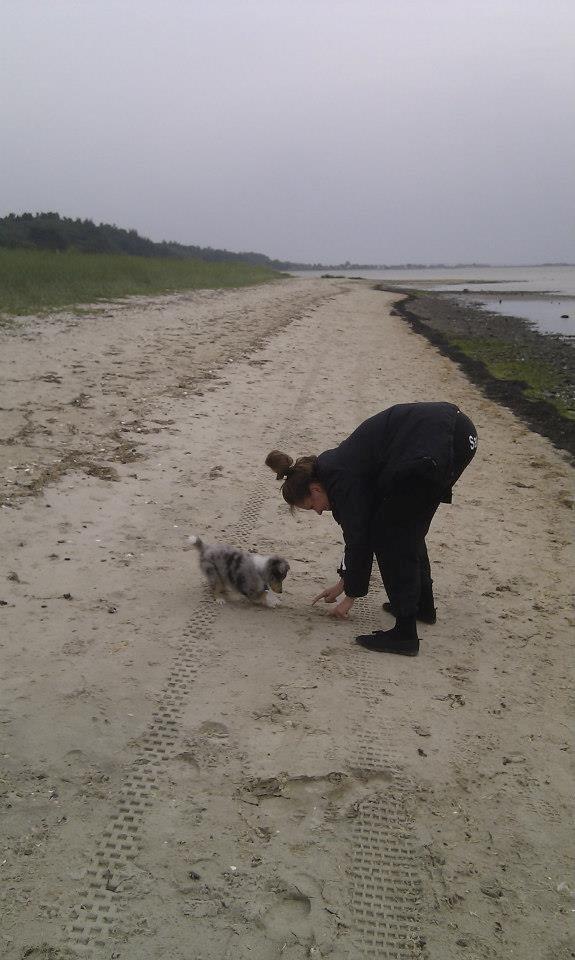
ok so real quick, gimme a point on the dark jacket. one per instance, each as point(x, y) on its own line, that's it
point(408, 443)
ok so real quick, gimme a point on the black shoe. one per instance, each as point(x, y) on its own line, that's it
point(424, 616)
point(390, 641)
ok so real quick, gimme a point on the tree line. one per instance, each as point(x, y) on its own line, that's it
point(50, 231)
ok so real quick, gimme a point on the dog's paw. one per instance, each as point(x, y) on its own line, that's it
point(272, 600)
point(220, 601)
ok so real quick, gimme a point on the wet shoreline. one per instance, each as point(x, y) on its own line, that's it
point(546, 313)
point(535, 371)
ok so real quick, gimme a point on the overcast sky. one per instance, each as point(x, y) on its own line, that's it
point(379, 131)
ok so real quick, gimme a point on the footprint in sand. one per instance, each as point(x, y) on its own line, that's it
point(213, 729)
point(288, 913)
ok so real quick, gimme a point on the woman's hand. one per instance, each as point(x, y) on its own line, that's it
point(341, 610)
point(331, 594)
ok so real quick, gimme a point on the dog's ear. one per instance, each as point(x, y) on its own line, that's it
point(280, 567)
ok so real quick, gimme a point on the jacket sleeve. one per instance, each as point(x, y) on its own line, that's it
point(353, 512)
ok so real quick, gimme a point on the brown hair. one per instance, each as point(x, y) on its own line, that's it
point(296, 476)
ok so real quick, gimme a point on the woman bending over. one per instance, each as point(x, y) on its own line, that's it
point(383, 485)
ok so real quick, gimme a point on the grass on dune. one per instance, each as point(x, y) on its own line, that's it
point(33, 281)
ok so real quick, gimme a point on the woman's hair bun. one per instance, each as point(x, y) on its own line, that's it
point(279, 462)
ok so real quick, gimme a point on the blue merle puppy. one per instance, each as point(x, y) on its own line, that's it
point(229, 569)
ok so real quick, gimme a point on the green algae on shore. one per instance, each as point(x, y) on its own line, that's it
point(509, 361)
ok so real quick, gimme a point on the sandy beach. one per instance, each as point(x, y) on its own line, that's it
point(183, 781)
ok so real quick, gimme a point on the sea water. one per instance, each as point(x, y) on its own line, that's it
point(546, 315)
point(542, 294)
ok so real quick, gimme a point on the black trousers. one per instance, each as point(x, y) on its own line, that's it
point(401, 525)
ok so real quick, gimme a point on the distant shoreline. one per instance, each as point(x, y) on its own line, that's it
point(319, 267)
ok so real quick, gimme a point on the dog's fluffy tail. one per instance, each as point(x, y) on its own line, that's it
point(196, 542)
